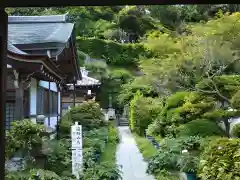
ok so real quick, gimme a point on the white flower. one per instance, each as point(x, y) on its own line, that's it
point(184, 151)
point(219, 147)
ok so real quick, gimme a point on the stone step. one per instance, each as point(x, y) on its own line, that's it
point(123, 124)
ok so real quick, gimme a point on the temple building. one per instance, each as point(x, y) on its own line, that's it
point(41, 60)
point(85, 89)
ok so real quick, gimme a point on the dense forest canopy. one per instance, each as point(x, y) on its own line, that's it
point(165, 42)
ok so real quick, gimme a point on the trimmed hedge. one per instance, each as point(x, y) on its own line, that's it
point(114, 53)
point(220, 160)
point(143, 110)
point(199, 127)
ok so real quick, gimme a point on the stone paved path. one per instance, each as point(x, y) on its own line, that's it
point(129, 157)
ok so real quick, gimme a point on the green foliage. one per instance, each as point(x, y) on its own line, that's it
point(236, 130)
point(235, 103)
point(88, 114)
point(112, 86)
point(129, 89)
point(23, 135)
point(188, 163)
point(25, 174)
point(163, 160)
point(176, 145)
point(98, 70)
point(169, 15)
point(65, 127)
point(114, 53)
point(102, 171)
point(176, 100)
point(142, 112)
point(132, 20)
point(200, 127)
point(58, 156)
point(81, 58)
point(220, 160)
point(113, 136)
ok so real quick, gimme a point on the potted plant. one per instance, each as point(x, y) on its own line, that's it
point(188, 163)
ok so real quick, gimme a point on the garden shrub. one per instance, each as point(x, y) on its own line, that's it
point(176, 99)
point(199, 127)
point(220, 160)
point(30, 175)
point(176, 145)
point(88, 114)
point(102, 171)
point(143, 110)
point(236, 130)
point(163, 160)
point(155, 128)
point(113, 136)
point(58, 155)
point(65, 129)
point(23, 135)
point(235, 100)
point(188, 163)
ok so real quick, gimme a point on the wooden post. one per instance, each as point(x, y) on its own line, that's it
point(3, 76)
point(57, 116)
point(74, 94)
point(49, 105)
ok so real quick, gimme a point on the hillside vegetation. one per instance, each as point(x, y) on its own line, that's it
point(177, 67)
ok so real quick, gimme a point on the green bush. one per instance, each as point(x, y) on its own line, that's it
point(236, 130)
point(58, 155)
point(88, 114)
point(163, 160)
point(176, 100)
point(102, 171)
point(113, 136)
point(23, 135)
point(188, 163)
point(29, 174)
point(114, 53)
point(176, 145)
point(235, 101)
point(143, 110)
point(65, 129)
point(199, 127)
point(220, 160)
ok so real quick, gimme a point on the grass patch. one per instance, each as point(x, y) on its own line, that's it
point(145, 147)
point(109, 154)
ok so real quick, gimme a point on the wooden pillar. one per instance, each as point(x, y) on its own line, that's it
point(49, 105)
point(57, 115)
point(74, 94)
point(3, 76)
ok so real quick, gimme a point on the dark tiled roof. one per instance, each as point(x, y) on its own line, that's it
point(39, 29)
point(38, 19)
point(14, 49)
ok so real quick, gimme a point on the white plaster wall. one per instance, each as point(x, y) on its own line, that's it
point(53, 85)
point(33, 99)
